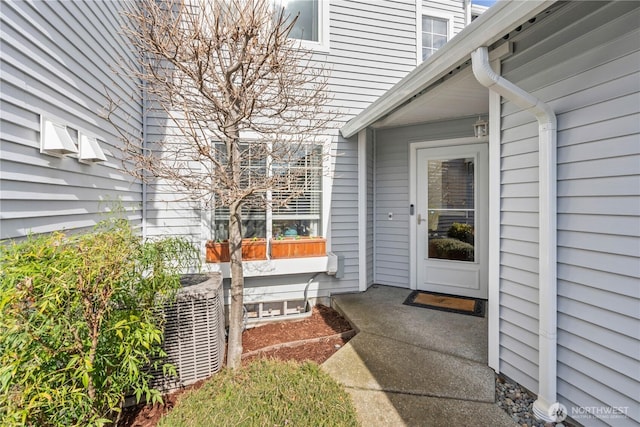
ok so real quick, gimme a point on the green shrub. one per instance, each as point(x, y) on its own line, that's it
point(450, 249)
point(462, 232)
point(265, 393)
point(78, 322)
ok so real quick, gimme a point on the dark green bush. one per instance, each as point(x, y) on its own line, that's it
point(450, 249)
point(78, 322)
point(462, 232)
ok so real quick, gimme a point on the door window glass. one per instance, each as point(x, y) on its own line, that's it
point(451, 209)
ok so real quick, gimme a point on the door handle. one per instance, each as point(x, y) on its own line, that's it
point(419, 219)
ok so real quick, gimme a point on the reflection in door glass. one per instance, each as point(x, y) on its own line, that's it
point(451, 209)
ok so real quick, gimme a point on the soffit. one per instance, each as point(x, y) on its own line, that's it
point(459, 95)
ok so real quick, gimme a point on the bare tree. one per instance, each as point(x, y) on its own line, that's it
point(244, 103)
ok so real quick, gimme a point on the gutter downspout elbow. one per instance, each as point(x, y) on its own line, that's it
point(545, 407)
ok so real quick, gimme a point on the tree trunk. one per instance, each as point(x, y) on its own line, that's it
point(236, 312)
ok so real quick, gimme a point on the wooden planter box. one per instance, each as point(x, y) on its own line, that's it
point(298, 247)
point(252, 249)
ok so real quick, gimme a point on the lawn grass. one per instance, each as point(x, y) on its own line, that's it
point(265, 393)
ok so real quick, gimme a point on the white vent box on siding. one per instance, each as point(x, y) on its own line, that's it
point(55, 139)
point(335, 265)
point(90, 151)
point(194, 332)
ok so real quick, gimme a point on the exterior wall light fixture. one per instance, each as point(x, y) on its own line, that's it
point(480, 128)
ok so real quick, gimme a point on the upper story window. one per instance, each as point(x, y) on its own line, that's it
point(312, 25)
point(435, 33)
point(306, 27)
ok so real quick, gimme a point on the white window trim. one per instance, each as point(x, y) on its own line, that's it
point(431, 13)
point(274, 267)
point(328, 167)
point(277, 267)
point(322, 45)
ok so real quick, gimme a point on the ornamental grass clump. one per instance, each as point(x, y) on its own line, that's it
point(265, 393)
point(79, 322)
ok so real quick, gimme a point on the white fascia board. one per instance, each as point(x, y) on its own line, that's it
point(498, 20)
point(90, 151)
point(477, 9)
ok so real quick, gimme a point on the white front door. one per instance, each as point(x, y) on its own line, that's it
point(451, 220)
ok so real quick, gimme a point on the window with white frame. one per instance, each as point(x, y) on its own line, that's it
point(311, 26)
point(299, 214)
point(308, 23)
point(435, 33)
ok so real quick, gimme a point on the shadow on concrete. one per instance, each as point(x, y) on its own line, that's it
point(414, 366)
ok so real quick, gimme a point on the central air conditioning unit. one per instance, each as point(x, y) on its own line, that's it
point(194, 332)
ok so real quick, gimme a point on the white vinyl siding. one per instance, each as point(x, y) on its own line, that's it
point(166, 212)
point(589, 72)
point(372, 47)
point(392, 197)
point(56, 59)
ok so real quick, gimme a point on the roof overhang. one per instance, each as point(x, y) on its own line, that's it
point(449, 64)
point(459, 95)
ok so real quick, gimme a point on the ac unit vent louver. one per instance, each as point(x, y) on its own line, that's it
point(194, 336)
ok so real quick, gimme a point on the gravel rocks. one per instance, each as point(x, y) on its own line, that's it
point(518, 403)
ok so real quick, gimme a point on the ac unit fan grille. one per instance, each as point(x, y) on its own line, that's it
point(194, 337)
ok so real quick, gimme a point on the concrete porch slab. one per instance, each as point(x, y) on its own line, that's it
point(380, 311)
point(386, 364)
point(376, 408)
point(411, 366)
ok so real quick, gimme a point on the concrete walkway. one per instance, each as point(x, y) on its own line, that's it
point(411, 366)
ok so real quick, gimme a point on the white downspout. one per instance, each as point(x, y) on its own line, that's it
point(144, 148)
point(545, 406)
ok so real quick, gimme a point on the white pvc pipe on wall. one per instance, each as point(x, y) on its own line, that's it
point(544, 406)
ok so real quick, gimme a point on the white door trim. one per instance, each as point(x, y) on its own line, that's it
point(413, 167)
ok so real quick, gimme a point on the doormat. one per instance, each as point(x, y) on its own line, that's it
point(444, 302)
